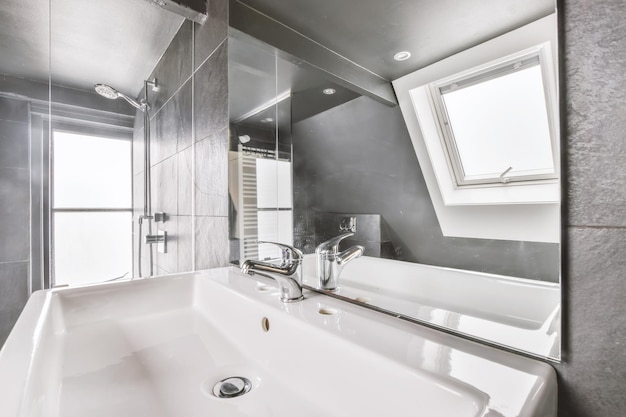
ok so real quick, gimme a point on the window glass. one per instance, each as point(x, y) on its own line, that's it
point(502, 123)
point(91, 246)
point(92, 209)
point(91, 171)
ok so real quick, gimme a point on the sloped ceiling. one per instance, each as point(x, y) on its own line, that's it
point(118, 42)
point(370, 32)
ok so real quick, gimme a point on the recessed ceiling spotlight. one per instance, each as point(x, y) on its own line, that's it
point(402, 56)
point(329, 91)
point(267, 120)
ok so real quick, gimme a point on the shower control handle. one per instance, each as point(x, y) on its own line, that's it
point(160, 239)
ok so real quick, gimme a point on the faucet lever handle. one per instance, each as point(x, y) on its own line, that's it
point(289, 253)
point(332, 245)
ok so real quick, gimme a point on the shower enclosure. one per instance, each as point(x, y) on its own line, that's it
point(58, 133)
point(147, 215)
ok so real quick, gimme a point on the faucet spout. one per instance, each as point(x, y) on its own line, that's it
point(349, 254)
point(330, 262)
point(287, 275)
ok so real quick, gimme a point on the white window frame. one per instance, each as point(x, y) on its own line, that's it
point(539, 55)
point(524, 211)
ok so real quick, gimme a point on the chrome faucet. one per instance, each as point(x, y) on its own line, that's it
point(330, 262)
point(287, 274)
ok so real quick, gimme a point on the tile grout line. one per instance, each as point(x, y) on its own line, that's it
point(599, 227)
point(193, 147)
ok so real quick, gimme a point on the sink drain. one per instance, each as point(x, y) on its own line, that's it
point(232, 387)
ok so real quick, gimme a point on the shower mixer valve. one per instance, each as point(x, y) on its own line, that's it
point(160, 239)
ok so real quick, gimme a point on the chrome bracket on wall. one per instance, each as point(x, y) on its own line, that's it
point(194, 10)
point(160, 217)
point(348, 224)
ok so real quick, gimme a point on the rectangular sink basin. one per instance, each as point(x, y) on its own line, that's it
point(158, 347)
point(518, 313)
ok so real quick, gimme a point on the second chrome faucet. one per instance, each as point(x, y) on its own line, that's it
point(330, 262)
point(288, 273)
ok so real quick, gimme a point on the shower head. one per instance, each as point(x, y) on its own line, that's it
point(112, 94)
point(106, 91)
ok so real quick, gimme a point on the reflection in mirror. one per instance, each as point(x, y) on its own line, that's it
point(461, 258)
point(267, 94)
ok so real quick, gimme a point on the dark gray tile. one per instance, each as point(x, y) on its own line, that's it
point(211, 178)
point(185, 181)
point(593, 373)
point(7, 321)
point(164, 179)
point(215, 30)
point(13, 295)
point(14, 144)
point(172, 129)
point(211, 95)
point(185, 238)
point(13, 285)
point(212, 246)
point(594, 84)
point(161, 147)
point(14, 214)
point(14, 110)
point(183, 112)
point(174, 67)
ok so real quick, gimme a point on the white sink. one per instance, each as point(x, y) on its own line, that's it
point(157, 347)
point(519, 313)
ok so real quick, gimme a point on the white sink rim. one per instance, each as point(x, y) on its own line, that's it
point(508, 324)
point(32, 327)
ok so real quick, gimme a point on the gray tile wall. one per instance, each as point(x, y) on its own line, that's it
point(189, 148)
point(592, 376)
point(14, 211)
point(358, 158)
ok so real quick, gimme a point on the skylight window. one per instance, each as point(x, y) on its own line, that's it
point(497, 122)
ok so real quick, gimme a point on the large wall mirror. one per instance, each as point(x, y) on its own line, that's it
point(311, 158)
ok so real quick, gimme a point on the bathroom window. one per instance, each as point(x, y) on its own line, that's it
point(496, 122)
point(91, 208)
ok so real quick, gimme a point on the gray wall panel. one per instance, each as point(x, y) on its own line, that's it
point(191, 106)
point(358, 158)
point(14, 293)
point(593, 374)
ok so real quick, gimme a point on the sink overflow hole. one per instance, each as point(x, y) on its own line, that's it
point(232, 387)
point(327, 311)
point(265, 324)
